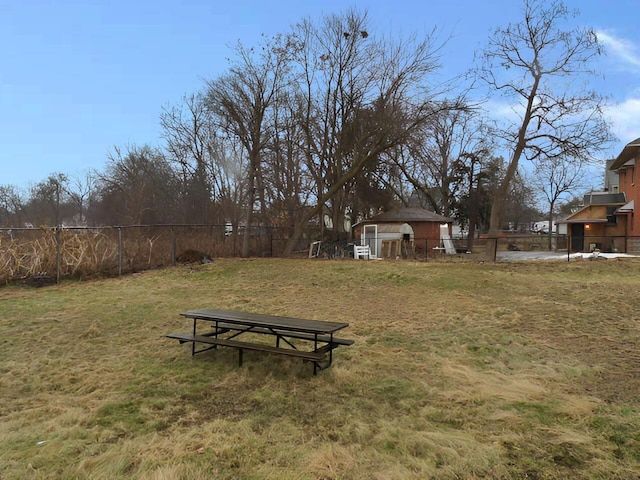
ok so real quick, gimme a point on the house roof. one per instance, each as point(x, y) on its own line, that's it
point(629, 152)
point(407, 215)
point(604, 198)
point(598, 198)
point(622, 208)
point(585, 220)
point(628, 207)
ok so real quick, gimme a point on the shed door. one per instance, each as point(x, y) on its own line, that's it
point(577, 237)
point(370, 237)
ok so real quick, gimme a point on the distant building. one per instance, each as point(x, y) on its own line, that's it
point(611, 178)
point(607, 220)
point(394, 233)
point(598, 224)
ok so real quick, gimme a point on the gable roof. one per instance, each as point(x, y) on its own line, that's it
point(627, 208)
point(599, 199)
point(629, 152)
point(407, 215)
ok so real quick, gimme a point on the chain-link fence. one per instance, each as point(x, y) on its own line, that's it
point(558, 243)
point(429, 248)
point(54, 252)
point(47, 254)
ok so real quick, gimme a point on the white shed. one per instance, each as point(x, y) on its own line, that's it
point(387, 240)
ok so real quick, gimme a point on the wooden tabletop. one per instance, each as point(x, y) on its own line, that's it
point(270, 321)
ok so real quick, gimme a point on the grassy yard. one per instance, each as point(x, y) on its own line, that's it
point(459, 370)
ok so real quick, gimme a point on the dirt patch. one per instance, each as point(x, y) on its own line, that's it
point(193, 256)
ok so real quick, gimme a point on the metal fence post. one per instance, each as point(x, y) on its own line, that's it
point(58, 255)
point(173, 247)
point(119, 251)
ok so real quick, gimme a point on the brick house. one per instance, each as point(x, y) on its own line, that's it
point(607, 220)
point(625, 166)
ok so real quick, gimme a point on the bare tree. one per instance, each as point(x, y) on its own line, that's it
point(286, 178)
point(555, 179)
point(189, 133)
point(539, 67)
point(80, 190)
point(363, 97)
point(210, 163)
point(436, 162)
point(229, 167)
point(333, 56)
point(241, 100)
point(11, 206)
point(47, 204)
point(138, 187)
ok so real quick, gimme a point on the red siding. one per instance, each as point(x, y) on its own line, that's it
point(627, 179)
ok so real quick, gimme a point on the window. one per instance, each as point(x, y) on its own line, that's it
point(612, 219)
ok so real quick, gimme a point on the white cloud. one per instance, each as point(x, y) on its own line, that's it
point(625, 119)
point(621, 48)
point(624, 115)
point(503, 111)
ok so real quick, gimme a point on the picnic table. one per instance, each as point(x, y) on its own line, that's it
point(311, 340)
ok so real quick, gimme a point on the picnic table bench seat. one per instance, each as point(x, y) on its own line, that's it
point(223, 342)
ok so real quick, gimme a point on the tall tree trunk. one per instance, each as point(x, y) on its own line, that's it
point(249, 217)
point(497, 209)
point(550, 234)
point(473, 220)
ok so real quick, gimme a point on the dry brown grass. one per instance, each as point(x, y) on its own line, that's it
point(108, 251)
point(459, 370)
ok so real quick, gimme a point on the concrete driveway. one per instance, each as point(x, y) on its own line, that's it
point(509, 256)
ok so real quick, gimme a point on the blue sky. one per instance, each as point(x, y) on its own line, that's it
point(80, 77)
